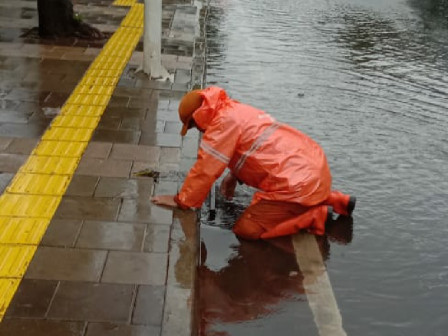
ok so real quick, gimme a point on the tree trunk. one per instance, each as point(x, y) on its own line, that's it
point(57, 19)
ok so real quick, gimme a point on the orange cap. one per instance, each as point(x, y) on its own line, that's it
point(188, 104)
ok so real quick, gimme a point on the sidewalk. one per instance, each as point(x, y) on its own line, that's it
point(105, 261)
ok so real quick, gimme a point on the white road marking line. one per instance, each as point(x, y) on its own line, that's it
point(317, 286)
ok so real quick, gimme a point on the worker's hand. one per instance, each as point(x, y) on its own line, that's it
point(164, 200)
point(228, 186)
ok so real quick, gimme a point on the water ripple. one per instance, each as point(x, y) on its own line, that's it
point(369, 81)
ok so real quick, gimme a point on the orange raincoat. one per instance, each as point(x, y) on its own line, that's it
point(283, 163)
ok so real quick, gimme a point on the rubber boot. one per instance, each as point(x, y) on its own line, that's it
point(313, 220)
point(342, 204)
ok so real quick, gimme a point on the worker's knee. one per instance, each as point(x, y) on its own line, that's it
point(264, 216)
point(247, 229)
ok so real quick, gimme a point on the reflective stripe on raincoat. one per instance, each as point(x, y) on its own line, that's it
point(280, 161)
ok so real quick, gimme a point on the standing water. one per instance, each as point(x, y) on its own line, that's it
point(368, 80)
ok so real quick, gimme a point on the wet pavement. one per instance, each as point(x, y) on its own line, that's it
point(110, 262)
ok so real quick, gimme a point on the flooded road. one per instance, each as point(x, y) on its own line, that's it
point(369, 81)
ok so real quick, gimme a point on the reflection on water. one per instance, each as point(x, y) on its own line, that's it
point(244, 284)
point(368, 79)
point(258, 280)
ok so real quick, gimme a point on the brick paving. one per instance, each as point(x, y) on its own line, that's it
point(110, 262)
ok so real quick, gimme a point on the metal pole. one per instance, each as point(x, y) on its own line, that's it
point(152, 41)
point(212, 213)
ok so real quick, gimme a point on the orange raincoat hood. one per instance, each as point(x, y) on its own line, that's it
point(215, 99)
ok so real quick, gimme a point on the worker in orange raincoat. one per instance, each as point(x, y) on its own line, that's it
point(287, 167)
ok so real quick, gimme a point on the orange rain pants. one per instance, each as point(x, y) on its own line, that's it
point(269, 219)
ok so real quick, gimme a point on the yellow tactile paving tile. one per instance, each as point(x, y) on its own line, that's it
point(75, 121)
point(134, 17)
point(117, 63)
point(60, 148)
point(82, 110)
point(7, 289)
point(14, 260)
point(50, 165)
point(124, 2)
point(119, 46)
point(98, 73)
point(25, 231)
point(94, 89)
point(39, 184)
point(105, 59)
point(68, 134)
point(32, 206)
point(100, 81)
point(129, 35)
point(33, 196)
point(113, 51)
point(126, 36)
point(86, 99)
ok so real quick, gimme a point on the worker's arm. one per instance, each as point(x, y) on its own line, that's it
point(227, 189)
point(228, 186)
point(217, 147)
point(166, 200)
